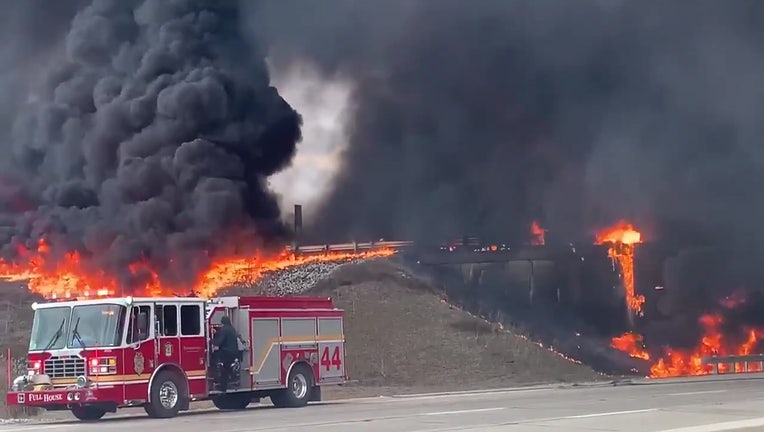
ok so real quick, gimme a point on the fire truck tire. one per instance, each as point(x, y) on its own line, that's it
point(88, 413)
point(299, 388)
point(166, 395)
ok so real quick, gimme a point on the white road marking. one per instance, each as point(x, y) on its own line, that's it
point(539, 420)
point(487, 393)
point(462, 411)
point(605, 414)
point(719, 427)
point(697, 393)
point(479, 391)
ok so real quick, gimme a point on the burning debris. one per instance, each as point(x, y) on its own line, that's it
point(538, 234)
point(715, 339)
point(622, 237)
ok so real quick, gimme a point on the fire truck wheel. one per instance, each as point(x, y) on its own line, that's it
point(88, 413)
point(165, 395)
point(297, 393)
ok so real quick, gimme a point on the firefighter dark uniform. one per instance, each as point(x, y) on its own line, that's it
point(226, 340)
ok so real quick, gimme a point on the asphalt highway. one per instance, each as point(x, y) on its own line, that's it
point(708, 406)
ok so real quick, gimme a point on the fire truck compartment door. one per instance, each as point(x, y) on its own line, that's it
point(242, 321)
point(266, 352)
point(331, 350)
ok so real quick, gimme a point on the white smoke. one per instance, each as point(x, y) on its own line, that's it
point(323, 104)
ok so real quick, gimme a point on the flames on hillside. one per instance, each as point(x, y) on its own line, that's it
point(70, 276)
point(667, 361)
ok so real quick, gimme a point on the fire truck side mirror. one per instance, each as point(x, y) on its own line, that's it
point(143, 325)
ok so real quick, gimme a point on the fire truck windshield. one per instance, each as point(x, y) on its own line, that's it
point(98, 325)
point(49, 328)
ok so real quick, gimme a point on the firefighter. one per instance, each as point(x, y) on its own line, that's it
point(226, 341)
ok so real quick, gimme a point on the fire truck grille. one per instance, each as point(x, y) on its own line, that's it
point(70, 367)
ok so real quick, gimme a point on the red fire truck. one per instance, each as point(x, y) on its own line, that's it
point(94, 356)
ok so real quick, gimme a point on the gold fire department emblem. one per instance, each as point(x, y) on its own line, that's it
point(168, 349)
point(138, 363)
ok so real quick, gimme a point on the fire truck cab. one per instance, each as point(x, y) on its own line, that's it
point(95, 356)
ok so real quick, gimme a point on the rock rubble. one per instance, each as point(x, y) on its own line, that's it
point(295, 280)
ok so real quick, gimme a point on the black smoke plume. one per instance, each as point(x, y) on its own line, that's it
point(478, 117)
point(150, 137)
point(475, 118)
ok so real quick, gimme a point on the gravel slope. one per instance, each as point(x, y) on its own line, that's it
point(402, 337)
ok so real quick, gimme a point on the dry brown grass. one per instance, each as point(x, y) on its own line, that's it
point(15, 316)
point(15, 323)
point(400, 333)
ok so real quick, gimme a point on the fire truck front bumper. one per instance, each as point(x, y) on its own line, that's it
point(58, 398)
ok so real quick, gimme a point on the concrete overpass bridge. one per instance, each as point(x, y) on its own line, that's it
point(581, 278)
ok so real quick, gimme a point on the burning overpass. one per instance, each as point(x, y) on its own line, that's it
point(658, 302)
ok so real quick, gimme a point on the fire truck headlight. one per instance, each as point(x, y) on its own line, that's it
point(82, 382)
point(76, 396)
point(34, 367)
point(70, 397)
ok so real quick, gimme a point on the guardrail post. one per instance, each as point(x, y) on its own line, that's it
point(298, 220)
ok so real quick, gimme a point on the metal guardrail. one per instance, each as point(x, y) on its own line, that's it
point(350, 247)
point(732, 361)
point(470, 245)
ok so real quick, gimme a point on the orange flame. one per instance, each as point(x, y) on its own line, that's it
point(677, 362)
point(71, 276)
point(537, 234)
point(622, 238)
point(632, 344)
